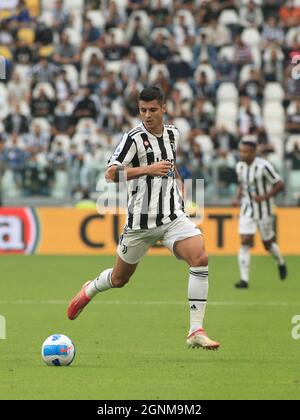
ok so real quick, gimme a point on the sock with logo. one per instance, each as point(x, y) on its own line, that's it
point(244, 262)
point(100, 284)
point(197, 294)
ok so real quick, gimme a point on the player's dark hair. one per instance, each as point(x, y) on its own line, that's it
point(249, 143)
point(151, 93)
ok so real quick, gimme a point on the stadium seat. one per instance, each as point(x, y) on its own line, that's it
point(72, 74)
point(63, 139)
point(4, 106)
point(23, 70)
point(274, 128)
point(251, 36)
point(245, 73)
point(87, 54)
point(208, 70)
point(97, 18)
point(273, 111)
point(292, 34)
point(205, 143)
point(34, 7)
point(186, 91)
point(226, 111)
point(278, 143)
point(48, 88)
point(74, 5)
point(227, 92)
point(273, 92)
point(229, 17)
point(42, 122)
point(291, 141)
point(74, 36)
point(256, 56)
point(5, 52)
point(227, 51)
point(183, 126)
point(141, 54)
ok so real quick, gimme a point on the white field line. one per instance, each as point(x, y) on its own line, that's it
point(145, 302)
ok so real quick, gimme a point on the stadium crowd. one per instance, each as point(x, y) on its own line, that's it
point(74, 69)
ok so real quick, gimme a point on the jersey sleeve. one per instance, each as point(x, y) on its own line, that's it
point(269, 172)
point(124, 152)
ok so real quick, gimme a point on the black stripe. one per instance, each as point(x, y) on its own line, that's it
point(164, 156)
point(249, 193)
point(172, 204)
point(135, 130)
point(245, 208)
point(198, 300)
point(265, 191)
point(270, 172)
point(149, 180)
point(128, 143)
point(196, 273)
point(257, 192)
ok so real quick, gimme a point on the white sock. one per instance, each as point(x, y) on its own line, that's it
point(275, 251)
point(244, 262)
point(100, 284)
point(197, 294)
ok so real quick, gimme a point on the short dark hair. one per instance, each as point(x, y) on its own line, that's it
point(251, 144)
point(151, 93)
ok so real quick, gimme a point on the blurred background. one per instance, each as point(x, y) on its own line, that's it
point(73, 69)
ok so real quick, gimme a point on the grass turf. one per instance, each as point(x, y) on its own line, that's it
point(131, 342)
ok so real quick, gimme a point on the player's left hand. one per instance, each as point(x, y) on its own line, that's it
point(259, 198)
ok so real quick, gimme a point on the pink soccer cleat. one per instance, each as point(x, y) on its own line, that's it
point(78, 303)
point(199, 339)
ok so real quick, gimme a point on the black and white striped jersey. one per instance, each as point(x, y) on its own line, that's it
point(152, 201)
point(256, 179)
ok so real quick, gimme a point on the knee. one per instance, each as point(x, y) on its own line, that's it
point(199, 260)
point(119, 282)
point(267, 245)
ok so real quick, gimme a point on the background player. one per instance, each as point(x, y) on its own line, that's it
point(258, 184)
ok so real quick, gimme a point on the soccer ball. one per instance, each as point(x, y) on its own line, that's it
point(58, 350)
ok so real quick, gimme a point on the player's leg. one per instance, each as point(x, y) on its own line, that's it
point(268, 237)
point(247, 229)
point(192, 250)
point(244, 260)
point(107, 279)
point(131, 248)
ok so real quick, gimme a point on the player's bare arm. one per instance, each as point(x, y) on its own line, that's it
point(156, 169)
point(279, 186)
point(237, 200)
point(179, 181)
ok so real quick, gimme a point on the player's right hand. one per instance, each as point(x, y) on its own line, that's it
point(235, 203)
point(161, 168)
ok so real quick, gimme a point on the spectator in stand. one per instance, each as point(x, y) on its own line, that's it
point(242, 53)
point(60, 17)
point(42, 106)
point(159, 50)
point(44, 71)
point(272, 33)
point(251, 15)
point(248, 122)
point(16, 122)
point(90, 34)
point(289, 14)
point(63, 121)
point(86, 106)
point(65, 52)
point(137, 32)
point(253, 87)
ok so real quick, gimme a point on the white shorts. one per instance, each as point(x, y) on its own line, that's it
point(134, 244)
point(248, 226)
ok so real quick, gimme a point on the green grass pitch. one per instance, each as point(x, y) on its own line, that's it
point(131, 342)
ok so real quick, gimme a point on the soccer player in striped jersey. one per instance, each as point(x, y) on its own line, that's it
point(258, 184)
point(146, 157)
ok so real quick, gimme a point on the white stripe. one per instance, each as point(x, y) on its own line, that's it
point(149, 302)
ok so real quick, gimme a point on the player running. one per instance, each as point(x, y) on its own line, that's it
point(146, 156)
point(258, 184)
